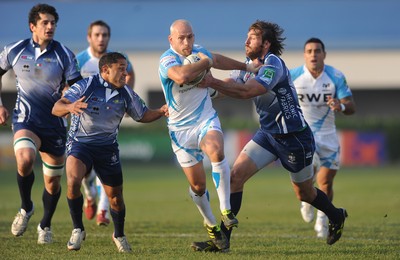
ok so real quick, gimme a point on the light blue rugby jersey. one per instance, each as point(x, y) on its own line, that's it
point(40, 79)
point(89, 64)
point(279, 108)
point(99, 123)
point(188, 105)
point(313, 95)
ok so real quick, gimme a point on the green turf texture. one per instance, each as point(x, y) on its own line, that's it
point(162, 220)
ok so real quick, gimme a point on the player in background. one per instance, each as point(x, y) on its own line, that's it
point(97, 105)
point(41, 66)
point(322, 91)
point(283, 134)
point(98, 37)
point(194, 126)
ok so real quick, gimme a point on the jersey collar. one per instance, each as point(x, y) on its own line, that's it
point(36, 45)
point(105, 83)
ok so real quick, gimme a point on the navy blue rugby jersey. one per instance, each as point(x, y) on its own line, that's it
point(278, 108)
point(40, 78)
point(107, 106)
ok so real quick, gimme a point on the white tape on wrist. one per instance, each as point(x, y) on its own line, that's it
point(342, 107)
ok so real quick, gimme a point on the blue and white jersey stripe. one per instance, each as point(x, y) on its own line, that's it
point(313, 95)
point(107, 106)
point(188, 105)
point(40, 77)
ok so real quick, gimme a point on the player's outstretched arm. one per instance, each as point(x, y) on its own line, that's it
point(234, 89)
point(153, 114)
point(225, 63)
point(63, 107)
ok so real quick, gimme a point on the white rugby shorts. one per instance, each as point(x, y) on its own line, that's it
point(186, 143)
point(327, 150)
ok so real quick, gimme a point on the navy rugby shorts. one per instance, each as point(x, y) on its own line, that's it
point(103, 158)
point(53, 139)
point(295, 150)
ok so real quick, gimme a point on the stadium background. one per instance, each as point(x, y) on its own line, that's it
point(362, 40)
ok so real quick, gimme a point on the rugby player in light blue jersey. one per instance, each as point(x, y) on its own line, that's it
point(97, 105)
point(283, 132)
point(41, 65)
point(194, 126)
point(322, 90)
point(98, 37)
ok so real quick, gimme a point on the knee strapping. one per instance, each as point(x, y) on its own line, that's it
point(53, 170)
point(24, 142)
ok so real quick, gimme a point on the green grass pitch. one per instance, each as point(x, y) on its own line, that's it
point(162, 221)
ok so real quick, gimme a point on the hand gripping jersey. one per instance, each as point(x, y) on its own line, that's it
point(99, 123)
point(89, 64)
point(313, 95)
point(40, 77)
point(187, 104)
point(278, 108)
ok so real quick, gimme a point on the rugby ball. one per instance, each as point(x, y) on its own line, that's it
point(193, 58)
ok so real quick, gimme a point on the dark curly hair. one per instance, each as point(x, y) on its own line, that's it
point(41, 9)
point(270, 32)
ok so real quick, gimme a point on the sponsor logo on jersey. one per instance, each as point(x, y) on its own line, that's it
point(95, 110)
point(282, 91)
point(267, 76)
point(49, 60)
point(269, 73)
point(167, 61)
point(186, 88)
point(97, 99)
point(25, 68)
point(26, 57)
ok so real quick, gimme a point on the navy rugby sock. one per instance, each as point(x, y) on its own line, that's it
point(75, 209)
point(25, 187)
point(323, 203)
point(118, 218)
point(49, 203)
point(236, 203)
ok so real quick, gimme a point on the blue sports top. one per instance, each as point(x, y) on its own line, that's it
point(40, 77)
point(188, 105)
point(107, 105)
point(89, 64)
point(278, 108)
